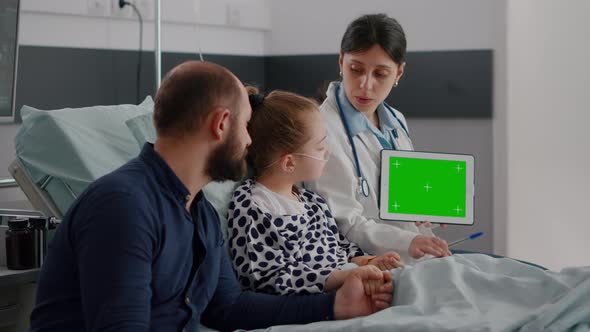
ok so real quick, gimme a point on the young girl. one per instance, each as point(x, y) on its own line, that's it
point(283, 238)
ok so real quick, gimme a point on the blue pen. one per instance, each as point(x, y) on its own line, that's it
point(470, 237)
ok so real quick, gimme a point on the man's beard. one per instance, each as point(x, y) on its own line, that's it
point(227, 162)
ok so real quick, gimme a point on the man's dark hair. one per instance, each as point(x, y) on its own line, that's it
point(188, 94)
point(368, 30)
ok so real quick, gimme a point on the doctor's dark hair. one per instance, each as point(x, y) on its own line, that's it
point(189, 92)
point(277, 126)
point(368, 30)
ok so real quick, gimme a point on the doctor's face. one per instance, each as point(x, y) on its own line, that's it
point(368, 77)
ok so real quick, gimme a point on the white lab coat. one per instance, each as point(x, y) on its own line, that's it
point(357, 216)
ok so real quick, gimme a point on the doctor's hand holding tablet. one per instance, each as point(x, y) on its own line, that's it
point(427, 186)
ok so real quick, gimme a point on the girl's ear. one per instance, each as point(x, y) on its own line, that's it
point(287, 163)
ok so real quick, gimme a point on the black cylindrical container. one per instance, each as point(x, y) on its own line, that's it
point(20, 245)
point(39, 227)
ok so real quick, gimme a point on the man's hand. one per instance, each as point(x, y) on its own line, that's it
point(387, 261)
point(422, 245)
point(336, 279)
point(365, 290)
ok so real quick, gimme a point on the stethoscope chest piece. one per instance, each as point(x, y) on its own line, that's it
point(363, 184)
point(364, 187)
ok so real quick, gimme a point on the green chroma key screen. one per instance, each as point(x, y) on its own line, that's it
point(427, 187)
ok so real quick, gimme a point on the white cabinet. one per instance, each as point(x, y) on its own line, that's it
point(17, 298)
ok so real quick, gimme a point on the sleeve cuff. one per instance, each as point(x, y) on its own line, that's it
point(406, 239)
point(330, 300)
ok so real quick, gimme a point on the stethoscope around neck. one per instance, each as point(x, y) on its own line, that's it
point(363, 188)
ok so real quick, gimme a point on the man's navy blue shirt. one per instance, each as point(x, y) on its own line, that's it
point(128, 256)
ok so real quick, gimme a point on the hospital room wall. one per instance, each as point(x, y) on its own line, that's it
point(10, 197)
point(536, 212)
point(64, 30)
point(547, 119)
point(463, 29)
point(71, 56)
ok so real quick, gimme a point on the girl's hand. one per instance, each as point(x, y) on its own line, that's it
point(389, 260)
point(361, 260)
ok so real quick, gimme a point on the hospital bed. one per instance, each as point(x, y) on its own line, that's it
point(59, 153)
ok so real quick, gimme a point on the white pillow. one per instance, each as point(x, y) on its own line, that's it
point(75, 146)
point(142, 128)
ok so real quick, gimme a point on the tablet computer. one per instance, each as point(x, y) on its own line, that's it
point(427, 186)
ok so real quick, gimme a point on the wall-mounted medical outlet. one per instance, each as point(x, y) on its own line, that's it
point(145, 7)
point(247, 15)
point(117, 11)
point(233, 15)
point(98, 8)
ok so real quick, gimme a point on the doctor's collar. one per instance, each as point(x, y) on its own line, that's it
point(357, 121)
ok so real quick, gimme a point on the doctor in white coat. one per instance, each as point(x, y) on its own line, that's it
point(360, 124)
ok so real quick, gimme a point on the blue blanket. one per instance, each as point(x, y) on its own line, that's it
point(477, 293)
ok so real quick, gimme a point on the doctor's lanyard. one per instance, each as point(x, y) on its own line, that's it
point(363, 184)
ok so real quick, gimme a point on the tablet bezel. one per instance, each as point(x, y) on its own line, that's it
point(469, 160)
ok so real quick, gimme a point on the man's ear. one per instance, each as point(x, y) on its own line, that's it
point(340, 61)
point(220, 122)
